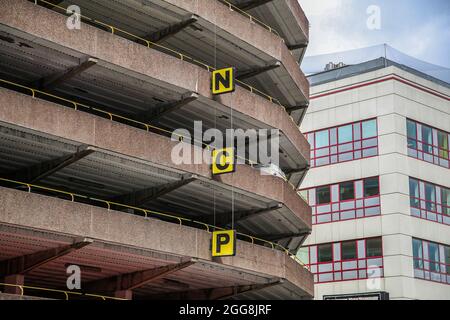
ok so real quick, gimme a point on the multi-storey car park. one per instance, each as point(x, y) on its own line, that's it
point(85, 151)
point(379, 183)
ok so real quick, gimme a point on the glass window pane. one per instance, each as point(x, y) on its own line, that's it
point(374, 248)
point(417, 254)
point(427, 139)
point(345, 134)
point(348, 250)
point(323, 195)
point(303, 255)
point(304, 195)
point(433, 255)
point(412, 144)
point(430, 196)
point(333, 137)
point(445, 199)
point(414, 192)
point(443, 144)
point(357, 131)
point(325, 253)
point(369, 129)
point(411, 129)
point(371, 187)
point(347, 191)
point(447, 258)
point(322, 139)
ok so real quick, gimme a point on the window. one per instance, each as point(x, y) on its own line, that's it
point(428, 144)
point(345, 134)
point(304, 194)
point(348, 250)
point(445, 198)
point(347, 260)
point(369, 129)
point(325, 253)
point(323, 195)
point(344, 201)
point(371, 187)
point(414, 193)
point(412, 134)
point(303, 255)
point(417, 254)
point(443, 144)
point(374, 247)
point(427, 139)
point(431, 261)
point(344, 143)
point(430, 196)
point(429, 201)
point(447, 259)
point(322, 139)
point(433, 254)
point(347, 191)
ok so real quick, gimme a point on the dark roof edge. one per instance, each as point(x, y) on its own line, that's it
point(365, 67)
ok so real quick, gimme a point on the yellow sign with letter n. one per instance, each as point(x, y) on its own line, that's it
point(224, 243)
point(223, 80)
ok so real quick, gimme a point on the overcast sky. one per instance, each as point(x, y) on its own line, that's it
point(420, 28)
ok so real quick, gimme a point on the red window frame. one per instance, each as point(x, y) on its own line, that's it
point(439, 263)
point(339, 202)
point(333, 262)
point(423, 212)
point(353, 142)
point(434, 145)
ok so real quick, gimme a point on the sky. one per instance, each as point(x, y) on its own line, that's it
point(420, 28)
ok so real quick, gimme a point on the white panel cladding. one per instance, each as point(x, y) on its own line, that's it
point(394, 167)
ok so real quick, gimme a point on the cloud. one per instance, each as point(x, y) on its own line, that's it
point(333, 26)
point(420, 29)
point(315, 7)
point(425, 41)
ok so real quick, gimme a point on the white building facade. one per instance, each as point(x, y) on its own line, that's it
point(379, 183)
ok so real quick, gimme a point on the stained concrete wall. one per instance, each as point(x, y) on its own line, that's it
point(129, 57)
point(83, 128)
point(240, 26)
point(70, 218)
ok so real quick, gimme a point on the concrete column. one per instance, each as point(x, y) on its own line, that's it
point(17, 279)
point(124, 294)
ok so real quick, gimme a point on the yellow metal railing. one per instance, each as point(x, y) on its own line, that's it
point(150, 44)
point(251, 18)
point(112, 116)
point(65, 293)
point(148, 213)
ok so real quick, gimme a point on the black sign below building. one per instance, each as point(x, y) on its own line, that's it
point(382, 295)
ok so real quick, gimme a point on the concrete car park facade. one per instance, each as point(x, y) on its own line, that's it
point(86, 173)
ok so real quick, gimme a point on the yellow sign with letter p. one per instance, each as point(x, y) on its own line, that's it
point(224, 243)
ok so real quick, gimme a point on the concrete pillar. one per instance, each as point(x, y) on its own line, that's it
point(124, 294)
point(17, 279)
